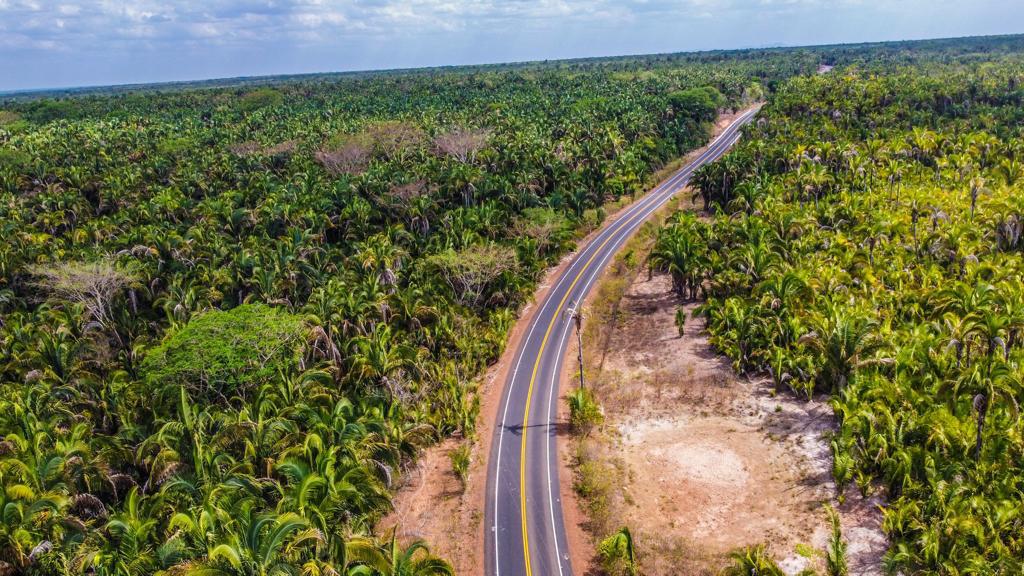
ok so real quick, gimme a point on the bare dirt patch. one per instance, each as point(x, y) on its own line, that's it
point(705, 461)
point(430, 500)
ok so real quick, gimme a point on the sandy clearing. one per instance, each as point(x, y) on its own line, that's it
point(709, 462)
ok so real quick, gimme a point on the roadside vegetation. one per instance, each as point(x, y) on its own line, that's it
point(595, 477)
point(866, 243)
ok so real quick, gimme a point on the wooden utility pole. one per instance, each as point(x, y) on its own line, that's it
point(578, 318)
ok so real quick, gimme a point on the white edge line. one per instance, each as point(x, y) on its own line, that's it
point(544, 305)
point(522, 351)
point(684, 173)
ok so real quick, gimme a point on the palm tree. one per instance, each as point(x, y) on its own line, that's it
point(814, 178)
point(128, 548)
point(392, 559)
point(987, 383)
point(753, 561)
point(895, 170)
point(265, 545)
point(378, 358)
point(925, 142)
point(680, 253)
point(27, 517)
point(845, 343)
point(977, 188)
point(782, 291)
point(836, 555)
point(737, 329)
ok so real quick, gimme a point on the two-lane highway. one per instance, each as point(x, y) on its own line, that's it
point(525, 533)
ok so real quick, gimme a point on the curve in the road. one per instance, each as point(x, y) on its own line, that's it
point(515, 546)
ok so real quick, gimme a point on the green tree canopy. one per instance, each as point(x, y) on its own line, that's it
point(227, 352)
point(699, 104)
point(260, 98)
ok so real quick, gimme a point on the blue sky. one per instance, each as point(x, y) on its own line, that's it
point(56, 43)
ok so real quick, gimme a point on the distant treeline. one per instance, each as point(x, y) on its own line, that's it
point(874, 53)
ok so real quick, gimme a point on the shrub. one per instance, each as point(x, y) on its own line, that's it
point(12, 121)
point(594, 484)
point(700, 104)
point(680, 320)
point(584, 411)
point(753, 561)
point(617, 553)
point(260, 98)
point(460, 458)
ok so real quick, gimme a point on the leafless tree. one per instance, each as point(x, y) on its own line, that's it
point(93, 285)
point(352, 157)
point(244, 149)
point(250, 148)
point(394, 139)
point(462, 143)
point(8, 117)
point(406, 193)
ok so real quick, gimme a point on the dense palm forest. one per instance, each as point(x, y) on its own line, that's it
point(232, 315)
point(867, 241)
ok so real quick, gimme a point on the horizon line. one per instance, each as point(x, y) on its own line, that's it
point(42, 92)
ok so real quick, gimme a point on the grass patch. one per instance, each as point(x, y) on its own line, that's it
point(603, 311)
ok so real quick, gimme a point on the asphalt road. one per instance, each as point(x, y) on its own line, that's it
point(525, 534)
